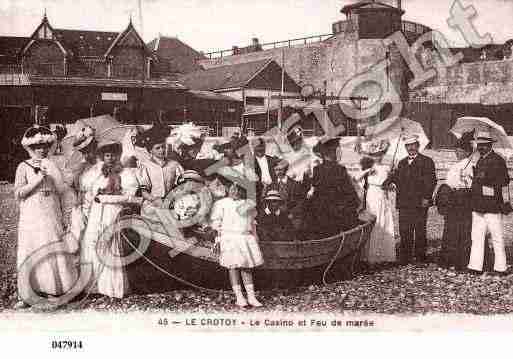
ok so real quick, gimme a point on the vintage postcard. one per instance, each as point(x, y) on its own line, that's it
point(275, 167)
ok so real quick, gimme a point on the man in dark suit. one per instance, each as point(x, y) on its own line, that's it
point(293, 194)
point(415, 181)
point(490, 176)
point(264, 168)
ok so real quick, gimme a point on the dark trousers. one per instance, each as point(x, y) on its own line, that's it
point(412, 229)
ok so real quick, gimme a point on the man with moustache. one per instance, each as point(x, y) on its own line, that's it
point(490, 176)
point(415, 181)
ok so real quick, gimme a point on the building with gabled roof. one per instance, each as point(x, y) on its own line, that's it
point(256, 83)
point(174, 57)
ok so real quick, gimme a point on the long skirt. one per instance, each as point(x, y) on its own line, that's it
point(40, 228)
point(456, 241)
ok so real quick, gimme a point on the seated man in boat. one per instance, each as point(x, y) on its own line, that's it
point(273, 223)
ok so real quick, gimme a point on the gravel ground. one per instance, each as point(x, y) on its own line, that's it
point(387, 289)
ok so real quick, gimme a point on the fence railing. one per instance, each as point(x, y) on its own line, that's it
point(267, 46)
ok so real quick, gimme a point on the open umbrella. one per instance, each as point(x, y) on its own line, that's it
point(393, 130)
point(467, 124)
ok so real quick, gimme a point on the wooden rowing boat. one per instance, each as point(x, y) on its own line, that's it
point(167, 261)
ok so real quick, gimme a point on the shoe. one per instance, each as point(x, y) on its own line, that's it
point(254, 302)
point(241, 302)
point(474, 272)
point(21, 305)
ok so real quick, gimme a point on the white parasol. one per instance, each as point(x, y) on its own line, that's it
point(468, 123)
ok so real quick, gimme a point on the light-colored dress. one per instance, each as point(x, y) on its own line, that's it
point(238, 242)
point(40, 224)
point(158, 179)
point(104, 253)
point(382, 242)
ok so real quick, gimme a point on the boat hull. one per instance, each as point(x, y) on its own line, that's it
point(169, 263)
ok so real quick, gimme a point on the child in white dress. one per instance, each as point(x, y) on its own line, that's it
point(237, 245)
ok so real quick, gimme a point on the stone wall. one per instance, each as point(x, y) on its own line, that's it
point(485, 82)
point(336, 61)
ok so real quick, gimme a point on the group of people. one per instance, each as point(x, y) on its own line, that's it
point(305, 194)
point(473, 204)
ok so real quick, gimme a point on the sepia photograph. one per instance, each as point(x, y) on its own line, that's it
point(273, 166)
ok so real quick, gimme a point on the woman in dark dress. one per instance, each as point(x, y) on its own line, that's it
point(453, 201)
point(333, 201)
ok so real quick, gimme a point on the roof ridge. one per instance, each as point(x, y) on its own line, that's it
point(266, 60)
point(90, 31)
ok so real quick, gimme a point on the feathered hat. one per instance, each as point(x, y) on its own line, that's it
point(158, 133)
point(38, 135)
point(374, 148)
point(186, 136)
point(84, 138)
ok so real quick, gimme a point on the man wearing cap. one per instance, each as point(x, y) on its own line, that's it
point(273, 222)
point(415, 181)
point(490, 176)
point(292, 193)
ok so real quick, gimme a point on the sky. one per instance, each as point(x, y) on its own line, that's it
point(209, 25)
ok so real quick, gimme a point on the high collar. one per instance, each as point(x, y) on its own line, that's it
point(158, 162)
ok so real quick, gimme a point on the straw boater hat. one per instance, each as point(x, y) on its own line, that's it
point(273, 195)
point(484, 137)
point(84, 138)
point(410, 139)
point(374, 148)
point(38, 135)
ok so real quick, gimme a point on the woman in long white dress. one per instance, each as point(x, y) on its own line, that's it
point(102, 246)
point(38, 187)
point(381, 247)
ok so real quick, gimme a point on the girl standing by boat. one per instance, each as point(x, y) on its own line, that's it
point(237, 245)
point(104, 252)
point(381, 247)
point(38, 187)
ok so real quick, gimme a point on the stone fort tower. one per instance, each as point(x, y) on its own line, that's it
point(354, 46)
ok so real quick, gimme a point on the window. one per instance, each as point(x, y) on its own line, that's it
point(255, 101)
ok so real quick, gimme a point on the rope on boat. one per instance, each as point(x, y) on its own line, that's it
point(174, 276)
point(335, 257)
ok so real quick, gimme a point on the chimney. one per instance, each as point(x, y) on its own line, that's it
point(399, 4)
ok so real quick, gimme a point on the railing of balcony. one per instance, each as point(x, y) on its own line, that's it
point(269, 45)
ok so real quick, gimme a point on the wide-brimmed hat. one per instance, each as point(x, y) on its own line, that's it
point(295, 134)
point(466, 140)
point(84, 138)
point(273, 195)
point(38, 135)
point(190, 175)
point(374, 148)
point(484, 137)
point(158, 133)
point(110, 147)
point(410, 139)
point(326, 145)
